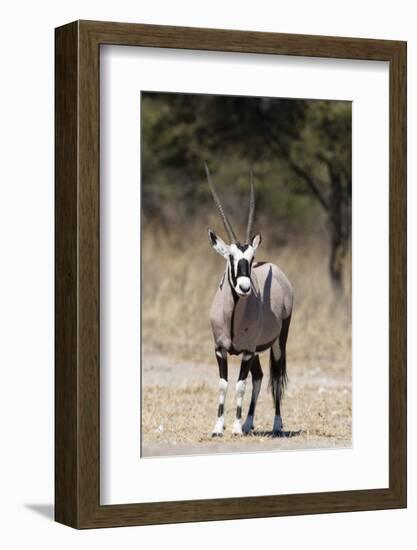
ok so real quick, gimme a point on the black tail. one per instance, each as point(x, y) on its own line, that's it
point(278, 367)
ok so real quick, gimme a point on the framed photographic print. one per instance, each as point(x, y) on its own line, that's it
point(230, 274)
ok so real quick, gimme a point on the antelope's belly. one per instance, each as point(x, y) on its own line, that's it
point(241, 343)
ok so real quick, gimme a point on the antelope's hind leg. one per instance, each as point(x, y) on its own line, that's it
point(257, 374)
point(278, 362)
point(221, 356)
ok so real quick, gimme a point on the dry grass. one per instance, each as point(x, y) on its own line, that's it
point(180, 402)
point(179, 371)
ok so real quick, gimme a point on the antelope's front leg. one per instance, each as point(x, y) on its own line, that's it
point(221, 356)
point(240, 392)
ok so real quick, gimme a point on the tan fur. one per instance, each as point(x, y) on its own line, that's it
point(256, 320)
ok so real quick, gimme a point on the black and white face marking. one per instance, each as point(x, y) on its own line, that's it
point(240, 264)
point(240, 258)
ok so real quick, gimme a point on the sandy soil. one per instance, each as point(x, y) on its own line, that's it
point(179, 406)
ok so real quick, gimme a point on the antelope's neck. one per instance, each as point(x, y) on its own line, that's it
point(241, 314)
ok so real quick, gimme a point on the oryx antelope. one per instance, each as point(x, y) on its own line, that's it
point(250, 313)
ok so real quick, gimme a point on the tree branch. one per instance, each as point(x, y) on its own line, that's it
point(311, 182)
point(274, 143)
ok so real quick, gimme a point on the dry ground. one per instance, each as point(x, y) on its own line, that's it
point(179, 369)
point(180, 404)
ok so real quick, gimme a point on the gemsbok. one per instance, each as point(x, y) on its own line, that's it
point(250, 313)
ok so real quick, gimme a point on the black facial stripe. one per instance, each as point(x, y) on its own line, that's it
point(234, 294)
point(232, 271)
point(242, 247)
point(243, 268)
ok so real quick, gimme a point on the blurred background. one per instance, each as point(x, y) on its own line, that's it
point(299, 151)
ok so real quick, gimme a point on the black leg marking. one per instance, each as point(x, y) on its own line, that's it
point(221, 357)
point(240, 391)
point(245, 366)
point(257, 376)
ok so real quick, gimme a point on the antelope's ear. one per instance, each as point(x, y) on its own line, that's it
point(256, 241)
point(218, 244)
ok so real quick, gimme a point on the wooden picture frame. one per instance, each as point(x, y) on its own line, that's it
point(77, 359)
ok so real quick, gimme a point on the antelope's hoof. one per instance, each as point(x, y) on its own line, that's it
point(277, 427)
point(218, 427)
point(237, 428)
point(247, 426)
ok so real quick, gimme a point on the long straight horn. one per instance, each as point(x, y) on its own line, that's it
point(251, 216)
point(226, 223)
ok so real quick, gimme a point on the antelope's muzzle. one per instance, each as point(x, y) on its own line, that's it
point(243, 286)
